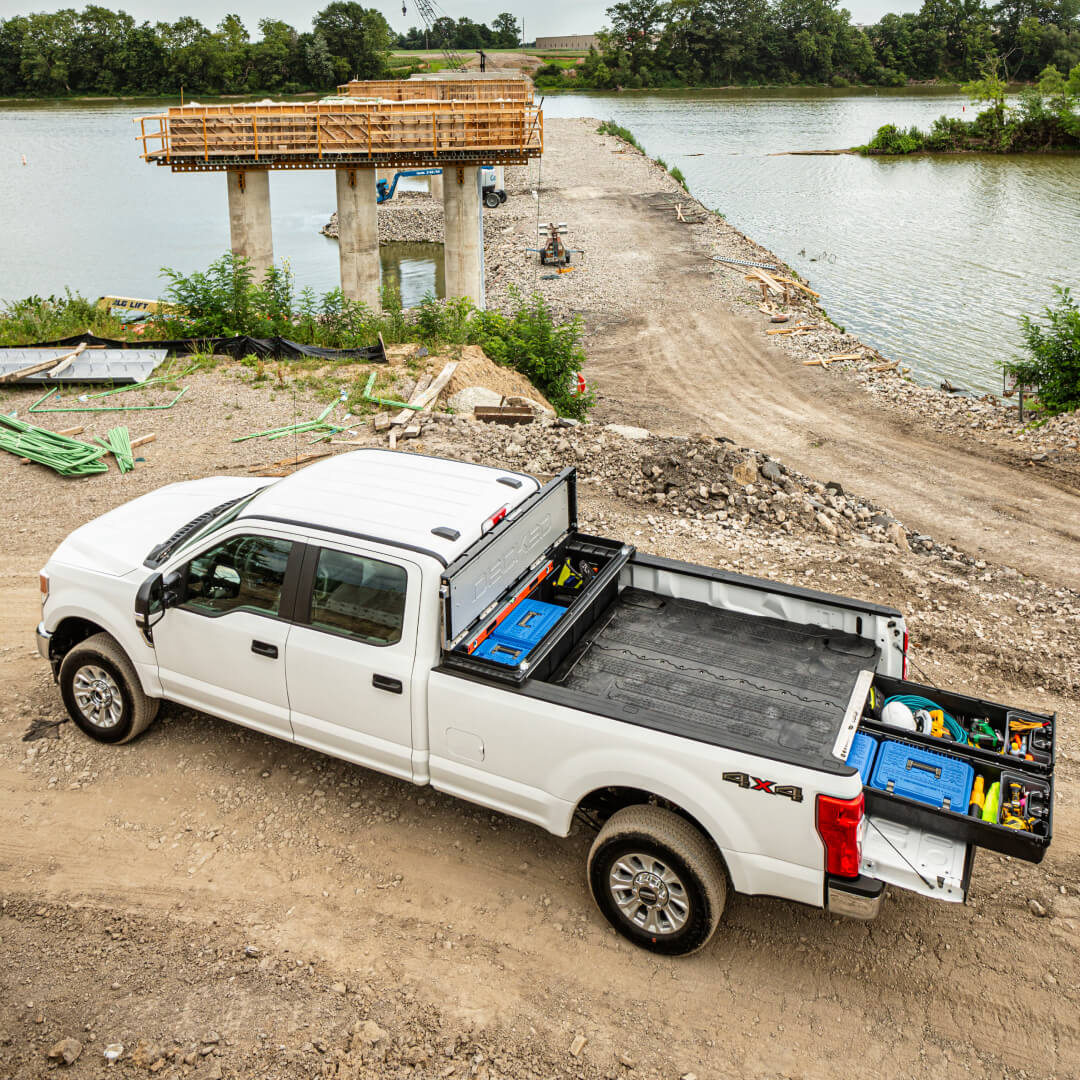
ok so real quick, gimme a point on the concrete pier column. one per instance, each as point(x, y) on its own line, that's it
point(464, 233)
point(249, 218)
point(435, 186)
point(358, 235)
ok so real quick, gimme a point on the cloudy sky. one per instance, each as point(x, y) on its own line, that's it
point(552, 17)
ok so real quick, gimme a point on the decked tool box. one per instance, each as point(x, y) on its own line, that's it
point(939, 780)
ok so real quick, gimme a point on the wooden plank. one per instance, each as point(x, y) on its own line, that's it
point(67, 361)
point(757, 273)
point(142, 440)
point(799, 285)
point(846, 356)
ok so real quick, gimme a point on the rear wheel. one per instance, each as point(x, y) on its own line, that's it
point(492, 200)
point(657, 879)
point(101, 691)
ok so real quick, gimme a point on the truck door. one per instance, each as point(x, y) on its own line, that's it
point(350, 654)
point(222, 648)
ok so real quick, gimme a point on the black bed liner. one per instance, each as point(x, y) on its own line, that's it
point(756, 684)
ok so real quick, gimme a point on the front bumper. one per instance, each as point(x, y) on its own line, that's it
point(44, 641)
point(855, 898)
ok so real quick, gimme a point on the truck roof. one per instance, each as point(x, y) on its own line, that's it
point(395, 498)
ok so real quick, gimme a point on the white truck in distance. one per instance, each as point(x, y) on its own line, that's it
point(448, 624)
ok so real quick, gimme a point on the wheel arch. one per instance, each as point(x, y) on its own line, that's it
point(68, 633)
point(598, 805)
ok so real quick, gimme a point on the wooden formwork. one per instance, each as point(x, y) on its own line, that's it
point(329, 135)
point(439, 89)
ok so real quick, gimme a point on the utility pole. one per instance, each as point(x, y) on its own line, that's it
point(522, 29)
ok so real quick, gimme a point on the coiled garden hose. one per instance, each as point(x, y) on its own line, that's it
point(915, 703)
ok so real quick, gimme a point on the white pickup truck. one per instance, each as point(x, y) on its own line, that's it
point(448, 624)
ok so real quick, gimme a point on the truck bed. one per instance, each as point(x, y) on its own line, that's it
point(757, 684)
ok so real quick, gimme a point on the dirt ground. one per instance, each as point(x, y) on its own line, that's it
point(221, 903)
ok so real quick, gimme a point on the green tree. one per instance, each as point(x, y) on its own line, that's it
point(1052, 363)
point(358, 38)
point(506, 31)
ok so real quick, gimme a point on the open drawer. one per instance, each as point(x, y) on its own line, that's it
point(927, 807)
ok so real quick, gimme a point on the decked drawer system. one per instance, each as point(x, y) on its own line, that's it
point(916, 835)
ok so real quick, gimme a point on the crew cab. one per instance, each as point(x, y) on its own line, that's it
point(449, 624)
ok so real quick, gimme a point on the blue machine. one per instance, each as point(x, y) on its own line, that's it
point(493, 197)
point(384, 189)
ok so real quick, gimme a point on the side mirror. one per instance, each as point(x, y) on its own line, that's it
point(149, 605)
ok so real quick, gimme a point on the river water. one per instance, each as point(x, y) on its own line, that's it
point(931, 259)
point(86, 212)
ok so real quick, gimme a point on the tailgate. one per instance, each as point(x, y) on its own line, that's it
point(927, 794)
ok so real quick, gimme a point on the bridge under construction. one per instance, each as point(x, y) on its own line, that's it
point(457, 124)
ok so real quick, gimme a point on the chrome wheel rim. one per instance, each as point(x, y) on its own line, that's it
point(97, 696)
point(649, 894)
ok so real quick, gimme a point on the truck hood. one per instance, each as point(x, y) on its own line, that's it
point(119, 541)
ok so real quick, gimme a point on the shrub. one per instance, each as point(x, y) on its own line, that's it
point(547, 353)
point(609, 127)
point(677, 175)
point(34, 319)
point(1053, 355)
point(893, 140)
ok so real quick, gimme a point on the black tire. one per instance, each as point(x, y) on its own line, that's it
point(98, 680)
point(502, 196)
point(492, 200)
point(692, 888)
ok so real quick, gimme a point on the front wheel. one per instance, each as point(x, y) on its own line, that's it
point(492, 200)
point(657, 880)
point(101, 691)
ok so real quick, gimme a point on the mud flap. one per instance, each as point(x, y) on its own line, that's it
point(917, 860)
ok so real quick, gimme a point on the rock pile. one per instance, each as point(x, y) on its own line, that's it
point(699, 479)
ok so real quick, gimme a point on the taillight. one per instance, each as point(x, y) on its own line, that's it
point(43, 585)
point(905, 674)
point(494, 519)
point(838, 824)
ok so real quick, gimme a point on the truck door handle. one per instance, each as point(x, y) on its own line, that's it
point(263, 648)
point(384, 682)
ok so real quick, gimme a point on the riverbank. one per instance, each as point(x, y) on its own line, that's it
point(676, 344)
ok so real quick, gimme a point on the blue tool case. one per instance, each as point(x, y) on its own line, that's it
point(939, 780)
point(529, 622)
point(510, 653)
point(861, 755)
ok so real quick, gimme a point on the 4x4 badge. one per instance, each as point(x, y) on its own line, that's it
point(770, 787)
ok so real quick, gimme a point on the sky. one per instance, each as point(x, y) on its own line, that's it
point(551, 18)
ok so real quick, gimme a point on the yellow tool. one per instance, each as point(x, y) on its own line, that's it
point(990, 806)
point(978, 796)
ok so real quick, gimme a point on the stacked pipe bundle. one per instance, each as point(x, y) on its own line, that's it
point(65, 455)
point(118, 442)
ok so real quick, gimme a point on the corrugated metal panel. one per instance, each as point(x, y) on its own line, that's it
point(100, 365)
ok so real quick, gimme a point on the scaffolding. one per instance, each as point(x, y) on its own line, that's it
point(345, 133)
point(436, 89)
